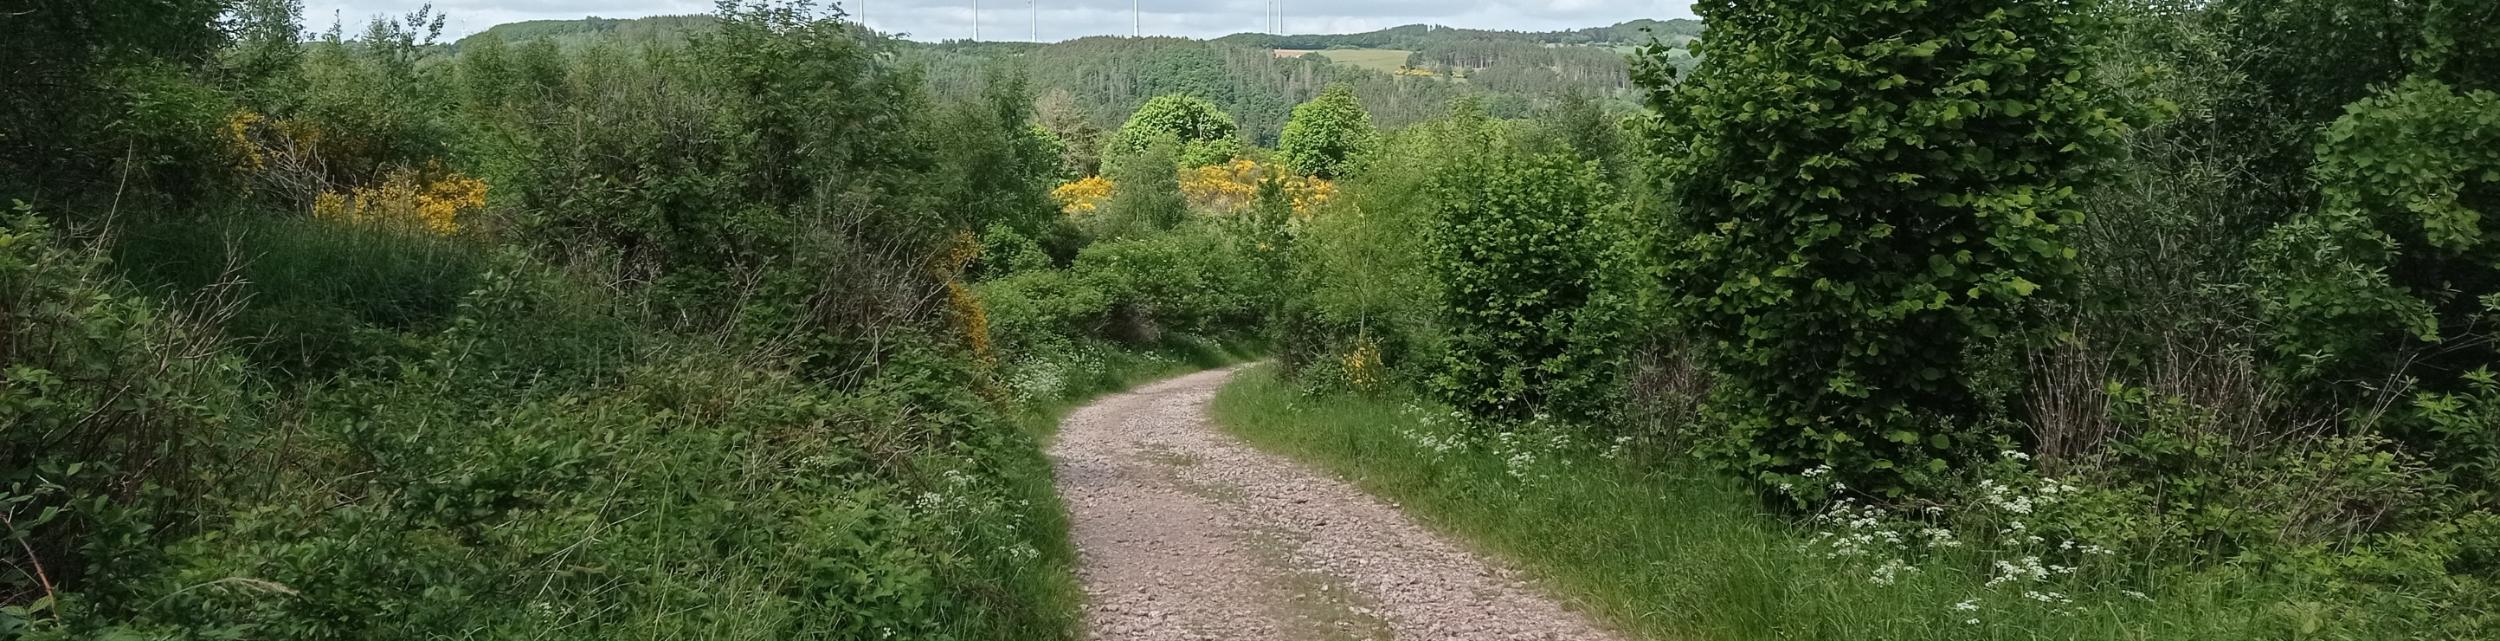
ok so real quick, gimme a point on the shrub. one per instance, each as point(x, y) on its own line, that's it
point(121, 415)
point(1040, 310)
point(1145, 198)
point(314, 297)
point(1514, 247)
point(1863, 194)
point(1195, 279)
point(2395, 267)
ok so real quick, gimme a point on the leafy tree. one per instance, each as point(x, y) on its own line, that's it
point(1080, 142)
point(1866, 193)
point(2396, 270)
point(1202, 134)
point(268, 48)
point(997, 166)
point(1516, 256)
point(1328, 135)
point(1147, 196)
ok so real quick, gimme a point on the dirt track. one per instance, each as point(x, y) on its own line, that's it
point(1185, 533)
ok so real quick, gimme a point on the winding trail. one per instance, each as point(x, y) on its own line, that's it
point(1185, 533)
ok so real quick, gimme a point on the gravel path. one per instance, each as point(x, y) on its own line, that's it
point(1184, 533)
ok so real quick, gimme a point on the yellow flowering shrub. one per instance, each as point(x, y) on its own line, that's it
point(1362, 366)
point(1220, 189)
point(970, 317)
point(1230, 187)
point(238, 135)
point(1083, 196)
point(433, 200)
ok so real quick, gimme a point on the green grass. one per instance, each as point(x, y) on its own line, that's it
point(1667, 552)
point(1381, 60)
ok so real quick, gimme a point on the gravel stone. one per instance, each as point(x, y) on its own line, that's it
point(1183, 532)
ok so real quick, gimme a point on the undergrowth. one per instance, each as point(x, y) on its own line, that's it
point(1665, 549)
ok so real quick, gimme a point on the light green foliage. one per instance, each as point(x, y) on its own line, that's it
point(1201, 134)
point(1329, 135)
point(1864, 193)
point(1146, 195)
point(1080, 142)
point(1361, 280)
point(1515, 250)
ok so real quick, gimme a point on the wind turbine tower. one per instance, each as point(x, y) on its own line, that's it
point(1135, 24)
point(976, 20)
point(1036, 6)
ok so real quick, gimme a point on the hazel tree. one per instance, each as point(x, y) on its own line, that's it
point(1864, 192)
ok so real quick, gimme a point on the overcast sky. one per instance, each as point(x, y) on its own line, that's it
point(1063, 19)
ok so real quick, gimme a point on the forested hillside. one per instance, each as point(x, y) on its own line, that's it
point(1991, 320)
point(1100, 80)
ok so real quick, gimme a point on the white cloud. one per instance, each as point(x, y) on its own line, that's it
point(1064, 19)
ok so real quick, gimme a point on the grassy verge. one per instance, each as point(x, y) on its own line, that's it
point(1667, 552)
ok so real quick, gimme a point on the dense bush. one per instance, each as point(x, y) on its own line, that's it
point(1328, 136)
point(1201, 133)
point(1864, 195)
point(1514, 247)
point(1145, 196)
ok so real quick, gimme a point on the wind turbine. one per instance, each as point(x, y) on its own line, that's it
point(1036, 6)
point(976, 20)
point(1134, 23)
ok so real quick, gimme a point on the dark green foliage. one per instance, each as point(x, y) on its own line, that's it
point(2308, 59)
point(1198, 280)
point(1329, 135)
point(999, 166)
point(1865, 194)
point(312, 297)
point(80, 72)
point(2395, 270)
point(2394, 280)
point(1515, 250)
point(119, 412)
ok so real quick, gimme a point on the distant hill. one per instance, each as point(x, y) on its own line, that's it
point(1417, 37)
point(1402, 74)
point(664, 28)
